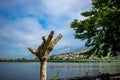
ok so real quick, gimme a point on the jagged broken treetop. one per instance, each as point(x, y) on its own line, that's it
point(46, 47)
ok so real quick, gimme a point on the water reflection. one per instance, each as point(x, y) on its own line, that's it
point(80, 69)
point(30, 71)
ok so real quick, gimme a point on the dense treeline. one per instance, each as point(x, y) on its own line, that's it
point(19, 60)
point(111, 59)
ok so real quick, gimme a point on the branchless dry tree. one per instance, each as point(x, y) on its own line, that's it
point(43, 51)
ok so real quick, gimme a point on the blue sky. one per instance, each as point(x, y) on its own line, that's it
point(24, 22)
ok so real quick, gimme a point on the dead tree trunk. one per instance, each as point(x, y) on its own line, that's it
point(43, 51)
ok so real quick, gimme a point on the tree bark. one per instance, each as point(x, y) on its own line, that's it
point(43, 51)
point(43, 69)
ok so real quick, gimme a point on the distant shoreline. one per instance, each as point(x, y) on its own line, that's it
point(67, 61)
point(77, 60)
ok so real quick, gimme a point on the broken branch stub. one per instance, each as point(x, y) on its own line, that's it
point(46, 47)
point(43, 51)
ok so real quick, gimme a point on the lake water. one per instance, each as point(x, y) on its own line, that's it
point(30, 70)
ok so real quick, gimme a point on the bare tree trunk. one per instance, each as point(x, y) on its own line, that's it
point(43, 51)
point(43, 69)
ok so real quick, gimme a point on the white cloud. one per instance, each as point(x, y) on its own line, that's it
point(29, 30)
point(59, 7)
point(25, 30)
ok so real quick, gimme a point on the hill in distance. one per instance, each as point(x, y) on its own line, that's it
point(62, 50)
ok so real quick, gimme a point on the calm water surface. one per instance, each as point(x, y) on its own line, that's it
point(30, 70)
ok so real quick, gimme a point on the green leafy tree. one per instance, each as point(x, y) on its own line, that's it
point(101, 28)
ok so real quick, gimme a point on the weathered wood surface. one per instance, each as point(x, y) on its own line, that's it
point(43, 51)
